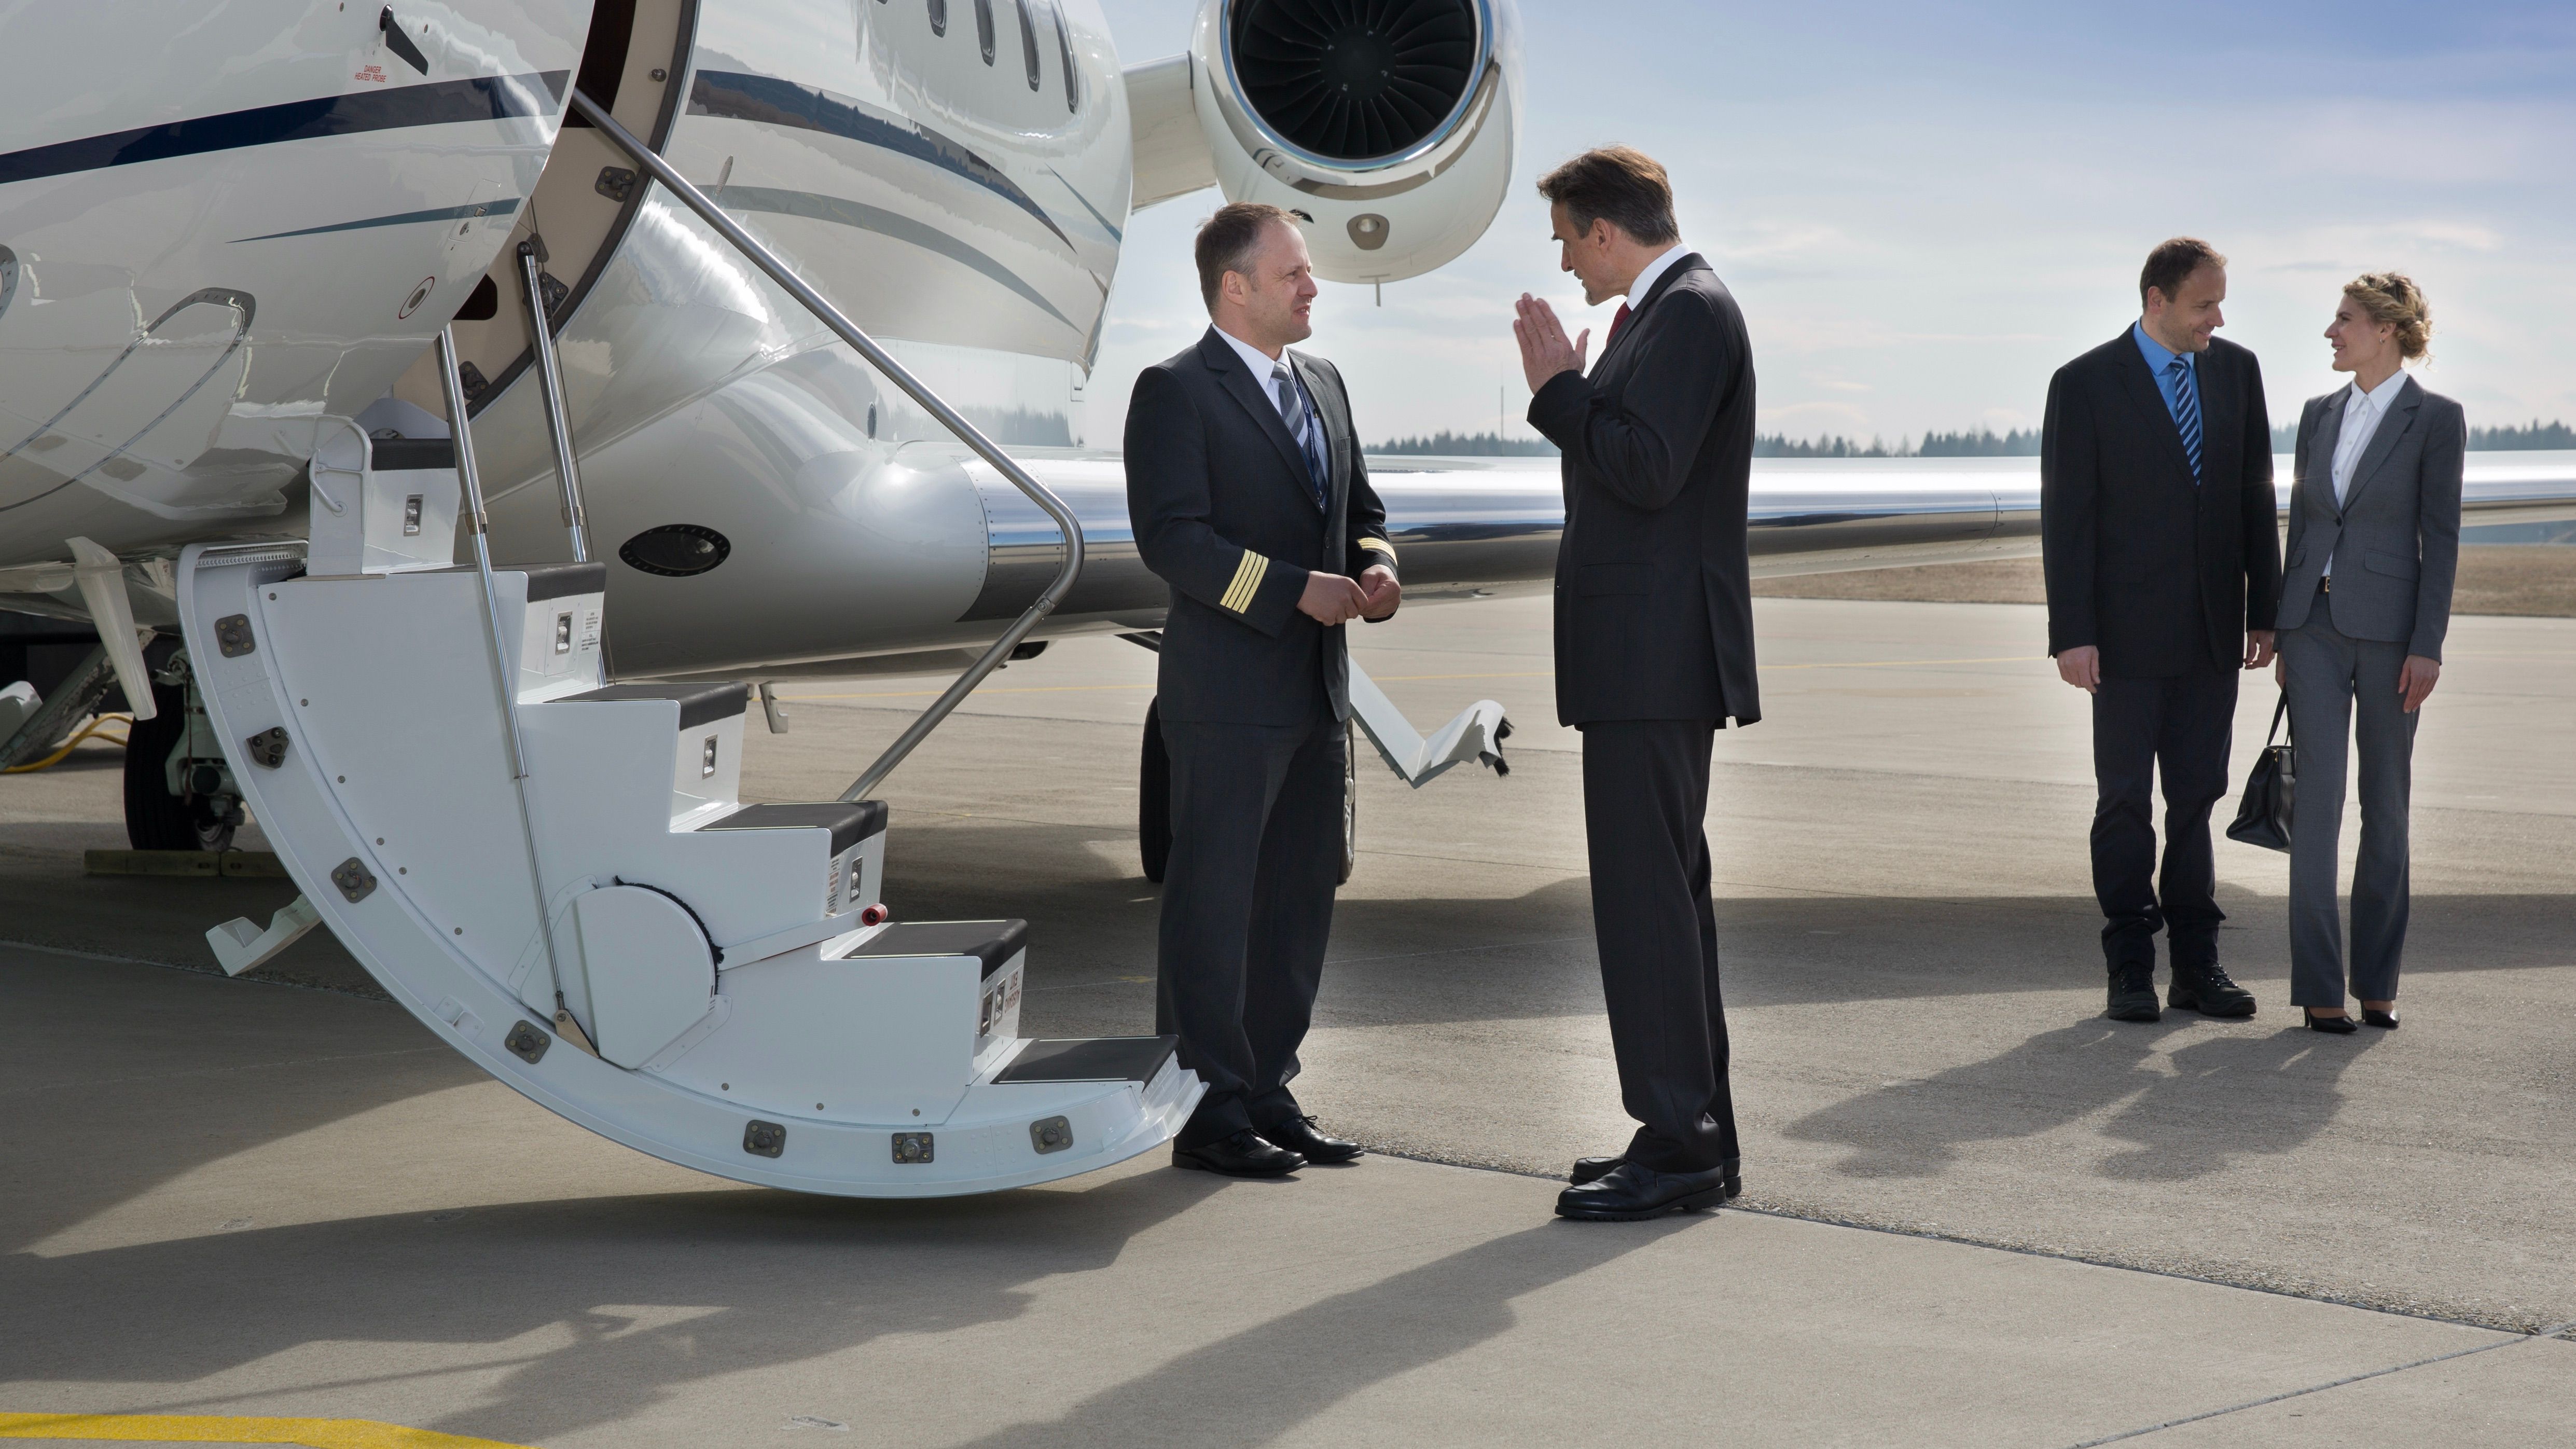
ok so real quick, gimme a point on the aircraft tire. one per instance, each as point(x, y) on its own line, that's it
point(155, 819)
point(1154, 798)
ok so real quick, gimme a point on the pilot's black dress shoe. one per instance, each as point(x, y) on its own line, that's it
point(1593, 1169)
point(1244, 1154)
point(1298, 1135)
point(2207, 990)
point(1629, 1193)
point(2133, 994)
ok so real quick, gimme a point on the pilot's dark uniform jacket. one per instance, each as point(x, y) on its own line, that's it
point(1234, 514)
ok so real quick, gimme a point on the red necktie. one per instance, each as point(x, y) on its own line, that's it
point(1616, 322)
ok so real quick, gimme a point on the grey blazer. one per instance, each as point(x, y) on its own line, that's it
point(2395, 541)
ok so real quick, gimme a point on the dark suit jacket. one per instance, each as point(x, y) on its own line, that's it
point(1223, 512)
point(2395, 538)
point(2164, 577)
point(1654, 606)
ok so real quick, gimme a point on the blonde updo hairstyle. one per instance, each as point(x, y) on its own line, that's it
point(2394, 299)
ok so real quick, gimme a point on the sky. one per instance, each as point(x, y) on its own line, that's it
point(1925, 208)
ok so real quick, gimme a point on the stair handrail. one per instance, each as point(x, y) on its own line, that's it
point(914, 388)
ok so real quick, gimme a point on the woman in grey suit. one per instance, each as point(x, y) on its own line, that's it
point(2365, 600)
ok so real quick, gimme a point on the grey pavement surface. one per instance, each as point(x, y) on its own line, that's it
point(241, 1198)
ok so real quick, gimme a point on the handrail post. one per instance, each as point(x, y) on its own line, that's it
point(558, 422)
point(480, 524)
point(914, 388)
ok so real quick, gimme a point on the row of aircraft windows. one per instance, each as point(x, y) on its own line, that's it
point(984, 37)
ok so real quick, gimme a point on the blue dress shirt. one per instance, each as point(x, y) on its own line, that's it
point(2159, 357)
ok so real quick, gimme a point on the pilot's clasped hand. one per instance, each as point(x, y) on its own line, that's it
point(1545, 352)
point(1331, 599)
point(1380, 593)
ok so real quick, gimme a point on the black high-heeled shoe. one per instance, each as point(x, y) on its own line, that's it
point(2386, 1020)
point(2339, 1025)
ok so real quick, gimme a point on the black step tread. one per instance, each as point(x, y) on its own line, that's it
point(699, 703)
point(1092, 1059)
point(849, 823)
point(992, 942)
point(563, 580)
point(404, 455)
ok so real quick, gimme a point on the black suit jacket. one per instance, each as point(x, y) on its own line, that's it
point(1218, 495)
point(1654, 603)
point(2162, 575)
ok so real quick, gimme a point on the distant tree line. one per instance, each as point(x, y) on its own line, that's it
point(1983, 443)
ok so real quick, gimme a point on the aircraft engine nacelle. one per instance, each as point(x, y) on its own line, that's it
point(1391, 123)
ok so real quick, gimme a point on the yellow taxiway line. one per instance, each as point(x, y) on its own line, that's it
point(228, 1429)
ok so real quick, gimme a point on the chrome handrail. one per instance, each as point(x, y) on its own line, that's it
point(914, 388)
point(541, 342)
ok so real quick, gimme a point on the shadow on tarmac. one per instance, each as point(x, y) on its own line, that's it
point(2273, 1094)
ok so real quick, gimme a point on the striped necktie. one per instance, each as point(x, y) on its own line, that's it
point(1292, 411)
point(2186, 410)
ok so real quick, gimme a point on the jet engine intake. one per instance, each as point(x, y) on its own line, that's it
point(1388, 126)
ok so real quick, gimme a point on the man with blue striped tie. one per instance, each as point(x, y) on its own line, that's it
point(2164, 568)
point(1250, 499)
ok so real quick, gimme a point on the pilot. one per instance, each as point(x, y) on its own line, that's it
point(1249, 497)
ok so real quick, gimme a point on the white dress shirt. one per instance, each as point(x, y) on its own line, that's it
point(1651, 273)
point(2362, 412)
point(1262, 365)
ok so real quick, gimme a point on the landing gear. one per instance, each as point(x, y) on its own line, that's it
point(1154, 800)
point(178, 794)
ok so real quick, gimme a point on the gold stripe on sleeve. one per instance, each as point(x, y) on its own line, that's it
point(1381, 546)
point(1247, 581)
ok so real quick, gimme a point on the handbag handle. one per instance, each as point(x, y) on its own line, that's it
point(2279, 712)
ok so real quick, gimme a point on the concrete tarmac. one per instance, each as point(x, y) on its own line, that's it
point(230, 1198)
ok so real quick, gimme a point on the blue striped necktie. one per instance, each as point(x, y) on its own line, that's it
point(2186, 410)
point(1292, 411)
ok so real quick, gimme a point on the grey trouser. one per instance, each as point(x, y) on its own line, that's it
point(2328, 672)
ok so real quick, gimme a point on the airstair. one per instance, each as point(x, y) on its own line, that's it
point(556, 873)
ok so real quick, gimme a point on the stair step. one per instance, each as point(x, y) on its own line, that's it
point(563, 580)
point(699, 703)
point(992, 942)
point(1091, 1059)
point(849, 823)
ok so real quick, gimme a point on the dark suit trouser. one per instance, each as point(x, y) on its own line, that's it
point(1247, 907)
point(2328, 674)
point(2179, 728)
point(1645, 803)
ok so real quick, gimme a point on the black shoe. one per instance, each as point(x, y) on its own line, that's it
point(1242, 1155)
point(2133, 994)
point(1592, 1169)
point(1298, 1135)
point(2339, 1025)
point(2207, 990)
point(2385, 1019)
point(1629, 1193)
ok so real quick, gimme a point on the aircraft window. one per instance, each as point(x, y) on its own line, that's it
point(1064, 48)
point(939, 17)
point(984, 28)
point(1029, 43)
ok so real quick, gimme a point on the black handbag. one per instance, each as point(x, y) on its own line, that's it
point(2264, 817)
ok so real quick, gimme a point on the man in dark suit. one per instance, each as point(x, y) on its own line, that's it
point(1249, 497)
point(1654, 651)
point(2164, 568)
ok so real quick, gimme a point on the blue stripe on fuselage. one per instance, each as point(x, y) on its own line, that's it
point(483, 98)
point(733, 95)
point(502, 207)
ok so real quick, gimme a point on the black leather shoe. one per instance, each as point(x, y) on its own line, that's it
point(1242, 1155)
point(2383, 1019)
point(2207, 990)
point(1298, 1135)
point(2339, 1025)
point(1592, 1169)
point(2133, 994)
point(1629, 1193)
